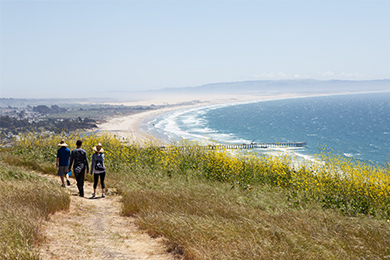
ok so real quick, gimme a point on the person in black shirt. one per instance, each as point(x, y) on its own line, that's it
point(79, 160)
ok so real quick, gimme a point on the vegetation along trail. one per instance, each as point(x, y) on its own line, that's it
point(199, 203)
point(94, 229)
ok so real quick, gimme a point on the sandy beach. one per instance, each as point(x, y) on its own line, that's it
point(129, 126)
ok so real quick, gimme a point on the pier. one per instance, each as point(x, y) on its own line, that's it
point(258, 145)
point(253, 145)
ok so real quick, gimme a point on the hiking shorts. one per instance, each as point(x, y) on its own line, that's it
point(62, 170)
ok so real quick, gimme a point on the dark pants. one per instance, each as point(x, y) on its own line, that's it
point(80, 182)
point(96, 179)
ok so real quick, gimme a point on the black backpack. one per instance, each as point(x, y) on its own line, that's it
point(99, 165)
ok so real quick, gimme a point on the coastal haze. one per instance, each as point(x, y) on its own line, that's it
point(249, 90)
point(116, 49)
point(112, 65)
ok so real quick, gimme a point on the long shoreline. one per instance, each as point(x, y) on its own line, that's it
point(129, 126)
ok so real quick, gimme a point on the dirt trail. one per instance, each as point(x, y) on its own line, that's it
point(94, 229)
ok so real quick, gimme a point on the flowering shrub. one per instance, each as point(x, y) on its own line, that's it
point(352, 186)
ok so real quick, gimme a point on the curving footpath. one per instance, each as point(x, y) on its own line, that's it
point(94, 229)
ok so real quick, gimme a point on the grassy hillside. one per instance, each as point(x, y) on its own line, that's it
point(26, 200)
point(212, 205)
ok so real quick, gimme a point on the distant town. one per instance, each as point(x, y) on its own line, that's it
point(55, 119)
point(21, 116)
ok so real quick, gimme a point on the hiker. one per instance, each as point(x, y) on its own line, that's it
point(97, 168)
point(62, 163)
point(79, 160)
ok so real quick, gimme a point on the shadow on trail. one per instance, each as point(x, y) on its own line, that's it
point(96, 198)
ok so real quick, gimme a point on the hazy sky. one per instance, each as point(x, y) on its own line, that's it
point(87, 48)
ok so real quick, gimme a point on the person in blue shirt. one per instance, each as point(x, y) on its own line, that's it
point(62, 163)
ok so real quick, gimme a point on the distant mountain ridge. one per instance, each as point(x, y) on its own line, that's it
point(254, 87)
point(289, 86)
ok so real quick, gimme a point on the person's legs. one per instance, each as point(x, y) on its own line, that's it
point(102, 176)
point(95, 182)
point(80, 182)
point(60, 173)
point(77, 176)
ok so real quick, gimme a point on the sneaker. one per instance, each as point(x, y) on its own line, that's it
point(68, 182)
point(103, 195)
point(93, 195)
point(63, 185)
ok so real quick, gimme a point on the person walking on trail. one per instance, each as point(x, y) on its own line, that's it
point(79, 160)
point(98, 169)
point(62, 162)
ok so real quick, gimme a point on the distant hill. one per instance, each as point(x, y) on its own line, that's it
point(284, 86)
point(256, 87)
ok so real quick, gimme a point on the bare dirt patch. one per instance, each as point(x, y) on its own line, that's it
point(94, 229)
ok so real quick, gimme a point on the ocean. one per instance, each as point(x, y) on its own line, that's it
point(353, 125)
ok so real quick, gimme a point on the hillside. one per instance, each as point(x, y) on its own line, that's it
point(289, 86)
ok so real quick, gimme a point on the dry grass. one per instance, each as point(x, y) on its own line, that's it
point(26, 200)
point(214, 206)
point(209, 220)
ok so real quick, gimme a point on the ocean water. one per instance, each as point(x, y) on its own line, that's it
point(353, 125)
